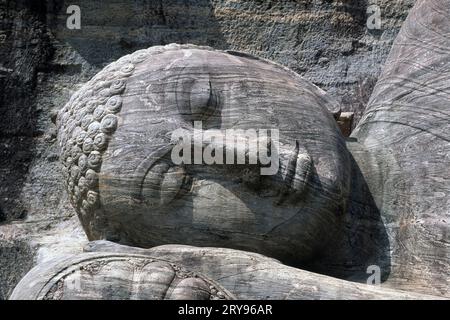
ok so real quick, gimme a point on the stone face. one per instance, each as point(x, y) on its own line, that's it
point(325, 41)
point(107, 276)
point(131, 189)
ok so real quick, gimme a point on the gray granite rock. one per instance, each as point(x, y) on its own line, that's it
point(405, 134)
point(102, 272)
point(327, 43)
point(105, 276)
point(117, 148)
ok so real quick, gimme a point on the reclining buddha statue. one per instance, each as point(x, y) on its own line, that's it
point(206, 174)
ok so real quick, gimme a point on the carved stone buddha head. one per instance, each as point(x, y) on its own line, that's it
point(189, 145)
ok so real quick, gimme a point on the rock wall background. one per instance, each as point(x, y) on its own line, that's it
point(42, 63)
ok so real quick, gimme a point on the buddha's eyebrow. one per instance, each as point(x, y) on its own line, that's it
point(140, 173)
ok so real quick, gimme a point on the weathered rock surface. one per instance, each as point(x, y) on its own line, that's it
point(249, 275)
point(43, 63)
point(117, 146)
point(105, 276)
point(405, 133)
point(112, 271)
point(28, 190)
point(327, 42)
